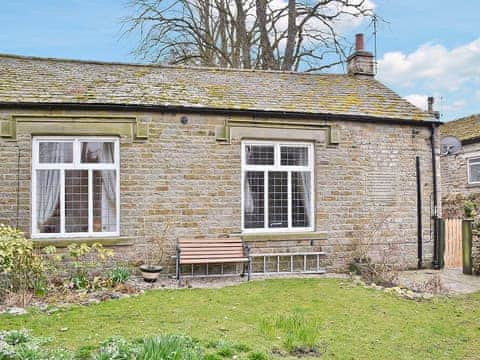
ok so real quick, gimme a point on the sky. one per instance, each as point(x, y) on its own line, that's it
point(424, 47)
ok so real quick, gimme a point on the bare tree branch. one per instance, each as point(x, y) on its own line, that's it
point(267, 34)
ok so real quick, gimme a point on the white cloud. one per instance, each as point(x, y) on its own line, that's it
point(418, 100)
point(437, 67)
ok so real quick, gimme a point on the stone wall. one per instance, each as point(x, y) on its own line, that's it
point(365, 188)
point(476, 251)
point(454, 181)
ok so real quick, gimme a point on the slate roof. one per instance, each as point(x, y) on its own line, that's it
point(464, 129)
point(42, 80)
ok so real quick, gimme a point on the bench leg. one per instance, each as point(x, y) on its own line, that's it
point(177, 265)
point(249, 267)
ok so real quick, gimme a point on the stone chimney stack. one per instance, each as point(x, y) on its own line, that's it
point(361, 62)
point(430, 109)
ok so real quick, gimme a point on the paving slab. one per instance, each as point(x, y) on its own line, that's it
point(452, 281)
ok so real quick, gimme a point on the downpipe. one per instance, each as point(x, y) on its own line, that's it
point(436, 263)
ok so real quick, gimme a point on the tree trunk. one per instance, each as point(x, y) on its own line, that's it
point(265, 46)
point(291, 36)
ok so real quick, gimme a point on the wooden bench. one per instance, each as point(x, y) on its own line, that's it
point(191, 251)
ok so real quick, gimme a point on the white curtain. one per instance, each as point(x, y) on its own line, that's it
point(304, 181)
point(307, 197)
point(48, 182)
point(109, 186)
point(249, 204)
point(106, 155)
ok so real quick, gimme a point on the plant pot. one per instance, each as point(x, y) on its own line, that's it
point(150, 273)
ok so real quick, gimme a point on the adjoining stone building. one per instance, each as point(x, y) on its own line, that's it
point(460, 171)
point(111, 152)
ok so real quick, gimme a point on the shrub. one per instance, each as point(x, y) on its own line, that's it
point(21, 266)
point(120, 275)
point(470, 208)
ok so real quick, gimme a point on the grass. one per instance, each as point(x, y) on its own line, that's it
point(276, 316)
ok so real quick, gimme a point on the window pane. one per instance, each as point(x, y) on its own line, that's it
point(259, 154)
point(253, 202)
point(48, 201)
point(301, 199)
point(277, 199)
point(55, 152)
point(474, 172)
point(294, 155)
point(98, 152)
point(104, 201)
point(76, 201)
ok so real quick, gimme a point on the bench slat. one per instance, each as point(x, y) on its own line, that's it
point(213, 256)
point(216, 261)
point(206, 251)
point(221, 240)
point(211, 245)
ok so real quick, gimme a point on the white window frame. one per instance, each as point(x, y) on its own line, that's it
point(278, 167)
point(75, 165)
point(473, 160)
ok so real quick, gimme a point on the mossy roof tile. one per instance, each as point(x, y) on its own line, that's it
point(466, 128)
point(41, 80)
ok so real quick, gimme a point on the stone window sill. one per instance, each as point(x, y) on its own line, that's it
point(105, 241)
point(473, 186)
point(285, 236)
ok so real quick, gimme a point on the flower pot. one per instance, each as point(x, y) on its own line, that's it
point(150, 273)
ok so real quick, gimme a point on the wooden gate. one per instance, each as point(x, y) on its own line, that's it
point(453, 243)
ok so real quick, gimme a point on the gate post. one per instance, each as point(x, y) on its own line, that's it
point(467, 246)
point(439, 252)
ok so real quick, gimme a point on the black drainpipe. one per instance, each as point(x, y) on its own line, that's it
point(18, 187)
point(436, 246)
point(419, 215)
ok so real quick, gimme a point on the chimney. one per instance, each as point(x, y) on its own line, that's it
point(430, 101)
point(361, 62)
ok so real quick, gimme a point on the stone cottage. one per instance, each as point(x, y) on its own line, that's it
point(291, 162)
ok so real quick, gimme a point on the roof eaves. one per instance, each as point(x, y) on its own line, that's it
point(218, 111)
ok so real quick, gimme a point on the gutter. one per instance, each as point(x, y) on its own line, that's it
point(215, 111)
point(470, 141)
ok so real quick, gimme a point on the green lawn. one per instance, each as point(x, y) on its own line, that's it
point(350, 322)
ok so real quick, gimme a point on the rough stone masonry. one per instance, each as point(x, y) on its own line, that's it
point(365, 186)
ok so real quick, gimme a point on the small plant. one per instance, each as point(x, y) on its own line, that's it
point(257, 356)
point(19, 344)
point(172, 347)
point(120, 275)
point(299, 334)
point(470, 209)
point(85, 261)
point(226, 349)
point(116, 348)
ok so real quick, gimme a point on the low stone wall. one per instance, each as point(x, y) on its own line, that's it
point(476, 251)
